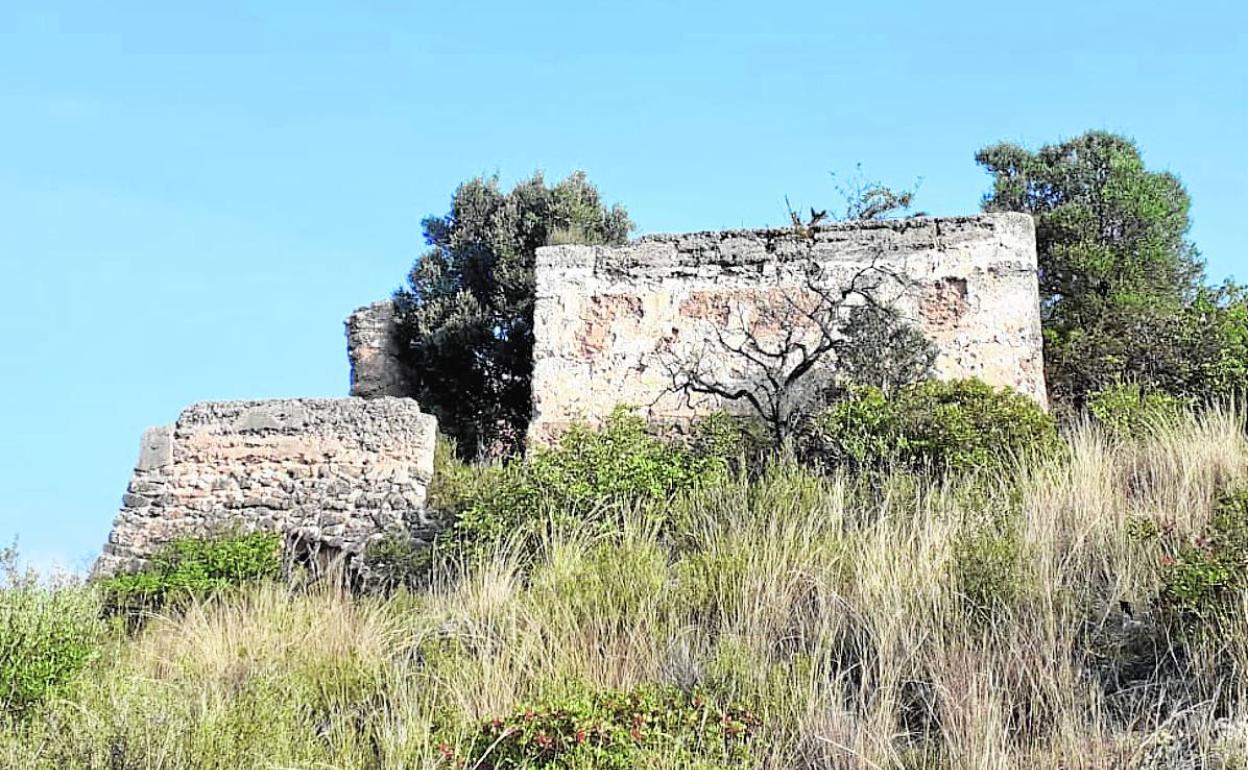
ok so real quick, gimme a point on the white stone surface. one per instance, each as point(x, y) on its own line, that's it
point(608, 318)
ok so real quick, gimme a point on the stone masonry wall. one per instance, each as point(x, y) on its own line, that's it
point(332, 473)
point(373, 352)
point(610, 320)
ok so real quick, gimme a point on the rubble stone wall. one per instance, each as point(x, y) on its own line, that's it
point(611, 320)
point(335, 473)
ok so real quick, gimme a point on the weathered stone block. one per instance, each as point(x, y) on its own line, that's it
point(272, 465)
point(156, 448)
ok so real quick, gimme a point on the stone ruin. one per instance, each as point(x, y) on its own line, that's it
point(611, 323)
point(337, 473)
point(329, 474)
point(609, 320)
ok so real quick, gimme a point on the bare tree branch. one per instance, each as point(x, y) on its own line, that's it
point(773, 357)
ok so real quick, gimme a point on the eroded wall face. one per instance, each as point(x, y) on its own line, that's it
point(612, 323)
point(374, 352)
point(332, 473)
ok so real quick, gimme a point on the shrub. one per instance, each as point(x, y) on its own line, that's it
point(742, 442)
point(455, 483)
point(393, 562)
point(611, 730)
point(987, 567)
point(887, 352)
point(47, 634)
point(194, 567)
point(1128, 408)
point(956, 425)
point(1203, 576)
point(590, 472)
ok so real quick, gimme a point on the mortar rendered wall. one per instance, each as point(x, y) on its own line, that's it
point(610, 319)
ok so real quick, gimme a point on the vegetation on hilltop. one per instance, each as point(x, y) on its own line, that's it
point(928, 575)
point(1077, 608)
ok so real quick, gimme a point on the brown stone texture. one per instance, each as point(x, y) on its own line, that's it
point(608, 319)
point(332, 473)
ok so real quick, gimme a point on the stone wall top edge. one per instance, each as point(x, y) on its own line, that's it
point(312, 401)
point(383, 305)
point(835, 242)
point(291, 412)
point(359, 320)
point(897, 225)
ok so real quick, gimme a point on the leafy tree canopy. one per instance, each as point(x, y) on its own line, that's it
point(466, 314)
point(1121, 285)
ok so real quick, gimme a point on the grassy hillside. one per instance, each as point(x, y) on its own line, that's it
point(1086, 609)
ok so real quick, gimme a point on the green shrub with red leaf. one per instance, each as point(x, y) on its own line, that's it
point(1204, 576)
point(613, 730)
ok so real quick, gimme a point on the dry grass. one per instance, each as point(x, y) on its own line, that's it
point(968, 623)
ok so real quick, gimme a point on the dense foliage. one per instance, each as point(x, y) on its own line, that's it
point(590, 475)
point(190, 568)
point(48, 633)
point(882, 350)
point(1121, 285)
point(1205, 577)
point(466, 313)
point(956, 425)
point(611, 730)
point(1128, 409)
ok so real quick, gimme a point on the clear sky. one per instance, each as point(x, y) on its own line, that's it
point(194, 195)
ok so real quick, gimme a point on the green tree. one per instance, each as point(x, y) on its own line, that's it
point(466, 314)
point(1121, 285)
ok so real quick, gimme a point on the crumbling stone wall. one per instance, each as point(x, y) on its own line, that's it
point(373, 350)
point(328, 473)
point(611, 319)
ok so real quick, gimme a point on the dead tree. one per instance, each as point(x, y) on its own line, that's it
point(785, 356)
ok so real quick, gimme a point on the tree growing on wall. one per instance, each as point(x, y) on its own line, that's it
point(466, 314)
point(794, 351)
point(1121, 285)
point(863, 200)
point(866, 199)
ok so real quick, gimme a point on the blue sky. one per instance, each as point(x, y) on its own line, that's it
point(193, 196)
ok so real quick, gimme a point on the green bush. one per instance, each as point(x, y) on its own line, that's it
point(987, 566)
point(48, 633)
point(455, 483)
point(393, 562)
point(589, 474)
point(194, 567)
point(740, 441)
point(1127, 409)
point(614, 731)
point(955, 425)
point(1203, 577)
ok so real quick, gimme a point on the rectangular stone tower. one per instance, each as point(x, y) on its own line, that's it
point(610, 319)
